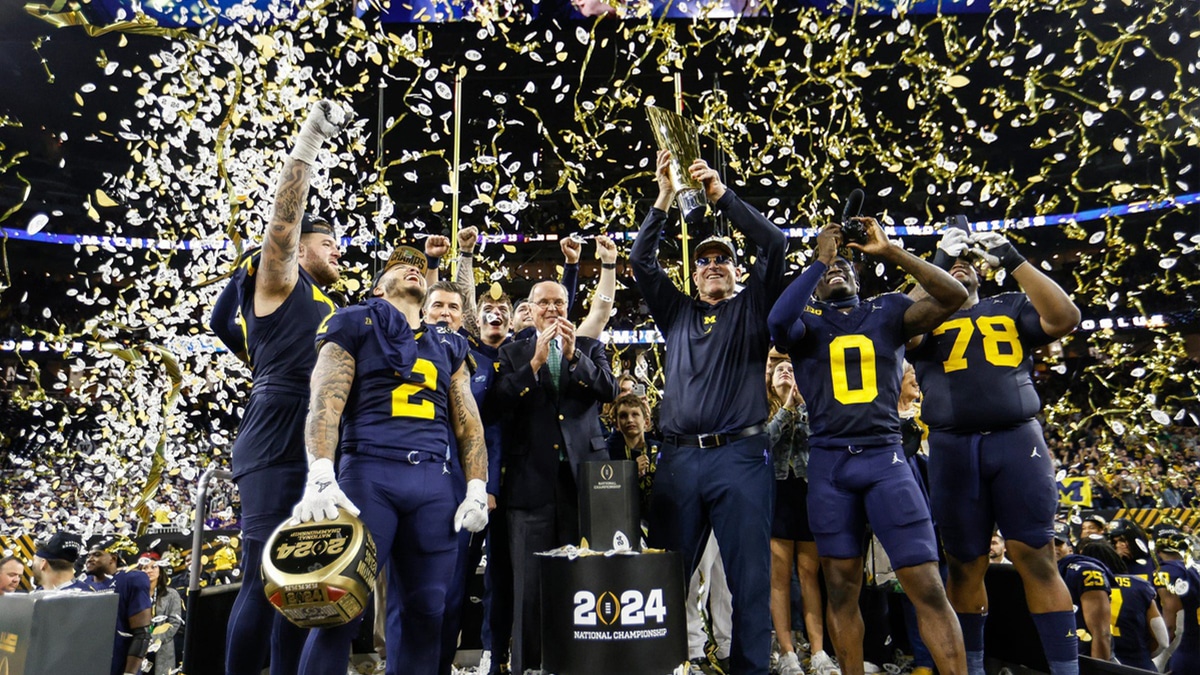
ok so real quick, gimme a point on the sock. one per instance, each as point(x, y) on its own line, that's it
point(972, 630)
point(1059, 641)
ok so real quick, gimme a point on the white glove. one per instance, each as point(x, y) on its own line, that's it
point(325, 119)
point(472, 512)
point(955, 242)
point(996, 250)
point(322, 495)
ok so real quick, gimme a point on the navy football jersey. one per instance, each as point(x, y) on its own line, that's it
point(387, 415)
point(1184, 582)
point(1083, 574)
point(848, 368)
point(974, 369)
point(1131, 598)
point(279, 345)
point(133, 596)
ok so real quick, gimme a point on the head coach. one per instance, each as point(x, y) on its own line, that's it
point(714, 471)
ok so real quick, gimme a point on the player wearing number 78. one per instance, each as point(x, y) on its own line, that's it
point(988, 463)
point(848, 358)
point(393, 388)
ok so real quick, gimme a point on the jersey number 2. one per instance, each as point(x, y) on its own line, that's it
point(996, 330)
point(403, 404)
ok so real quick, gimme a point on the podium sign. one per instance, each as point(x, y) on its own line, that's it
point(613, 614)
point(57, 632)
point(609, 503)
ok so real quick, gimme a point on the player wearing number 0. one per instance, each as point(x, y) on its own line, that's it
point(386, 392)
point(849, 358)
point(988, 463)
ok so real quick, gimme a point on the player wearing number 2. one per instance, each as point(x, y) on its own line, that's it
point(988, 463)
point(848, 357)
point(386, 391)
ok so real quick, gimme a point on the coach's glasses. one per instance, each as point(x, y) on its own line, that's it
point(705, 261)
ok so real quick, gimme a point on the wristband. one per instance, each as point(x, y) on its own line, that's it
point(433, 261)
point(603, 298)
point(608, 266)
point(466, 254)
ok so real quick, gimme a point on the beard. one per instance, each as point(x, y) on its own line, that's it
point(324, 273)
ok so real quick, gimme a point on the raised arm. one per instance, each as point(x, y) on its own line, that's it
point(571, 249)
point(280, 263)
point(465, 277)
point(946, 295)
point(1059, 315)
point(436, 247)
point(769, 240)
point(660, 294)
point(606, 288)
point(786, 320)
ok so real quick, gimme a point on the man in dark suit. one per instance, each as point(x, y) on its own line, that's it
point(551, 386)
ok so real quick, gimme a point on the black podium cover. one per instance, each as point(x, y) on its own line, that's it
point(57, 632)
point(613, 614)
point(608, 503)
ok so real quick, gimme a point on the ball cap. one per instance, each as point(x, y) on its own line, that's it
point(1096, 518)
point(64, 546)
point(314, 223)
point(721, 243)
point(407, 255)
point(401, 255)
point(1062, 532)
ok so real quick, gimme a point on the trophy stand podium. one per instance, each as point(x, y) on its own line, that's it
point(617, 611)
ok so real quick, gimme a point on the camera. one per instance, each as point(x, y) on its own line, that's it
point(855, 231)
point(638, 390)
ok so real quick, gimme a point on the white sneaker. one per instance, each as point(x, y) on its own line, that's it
point(870, 668)
point(789, 664)
point(823, 664)
point(485, 663)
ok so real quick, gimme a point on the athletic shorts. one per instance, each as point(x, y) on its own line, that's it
point(850, 486)
point(791, 510)
point(999, 478)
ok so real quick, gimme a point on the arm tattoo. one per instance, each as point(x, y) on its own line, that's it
point(465, 278)
point(468, 428)
point(331, 381)
point(281, 248)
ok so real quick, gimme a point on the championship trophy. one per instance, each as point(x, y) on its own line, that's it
point(320, 573)
point(678, 134)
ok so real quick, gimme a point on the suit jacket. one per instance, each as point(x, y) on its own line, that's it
point(540, 424)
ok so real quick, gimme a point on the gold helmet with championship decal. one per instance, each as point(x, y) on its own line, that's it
point(320, 573)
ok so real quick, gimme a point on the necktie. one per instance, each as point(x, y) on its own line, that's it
point(554, 361)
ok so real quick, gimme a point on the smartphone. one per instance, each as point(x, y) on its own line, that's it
point(638, 390)
point(959, 222)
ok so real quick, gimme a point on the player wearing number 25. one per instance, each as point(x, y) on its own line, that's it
point(988, 463)
point(848, 357)
point(387, 391)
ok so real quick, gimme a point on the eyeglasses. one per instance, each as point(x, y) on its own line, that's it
point(705, 261)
